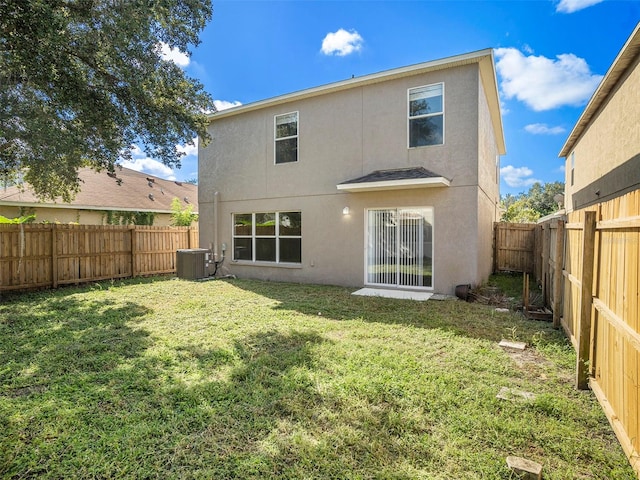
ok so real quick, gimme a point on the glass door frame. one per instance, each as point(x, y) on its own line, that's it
point(397, 284)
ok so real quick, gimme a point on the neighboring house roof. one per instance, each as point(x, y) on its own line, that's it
point(484, 58)
point(399, 178)
point(125, 190)
point(627, 55)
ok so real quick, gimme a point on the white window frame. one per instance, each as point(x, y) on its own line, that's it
point(276, 139)
point(253, 238)
point(426, 115)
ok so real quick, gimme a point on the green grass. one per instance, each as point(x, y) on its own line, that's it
point(509, 283)
point(165, 378)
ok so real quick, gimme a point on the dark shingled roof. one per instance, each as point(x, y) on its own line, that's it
point(394, 174)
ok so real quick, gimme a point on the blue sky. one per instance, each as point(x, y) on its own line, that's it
point(550, 57)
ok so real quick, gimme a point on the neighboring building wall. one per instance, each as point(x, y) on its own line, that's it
point(342, 136)
point(607, 155)
point(73, 215)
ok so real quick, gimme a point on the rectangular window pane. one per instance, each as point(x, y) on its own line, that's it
point(242, 224)
point(266, 249)
point(426, 131)
point(287, 150)
point(265, 224)
point(291, 250)
point(287, 125)
point(242, 249)
point(425, 100)
point(290, 224)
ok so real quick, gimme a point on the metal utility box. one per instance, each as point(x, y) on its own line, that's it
point(191, 264)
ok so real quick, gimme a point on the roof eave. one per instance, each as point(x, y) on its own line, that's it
point(463, 59)
point(69, 206)
point(394, 184)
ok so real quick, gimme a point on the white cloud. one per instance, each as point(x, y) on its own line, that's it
point(137, 152)
point(570, 6)
point(223, 104)
point(150, 166)
point(342, 43)
point(189, 149)
point(517, 176)
point(174, 55)
point(544, 83)
point(543, 129)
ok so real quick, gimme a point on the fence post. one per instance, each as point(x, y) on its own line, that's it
point(537, 254)
point(133, 250)
point(558, 279)
point(584, 328)
point(54, 255)
point(546, 240)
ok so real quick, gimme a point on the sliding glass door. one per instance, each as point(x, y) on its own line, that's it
point(400, 247)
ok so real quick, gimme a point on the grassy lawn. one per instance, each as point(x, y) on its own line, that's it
point(165, 378)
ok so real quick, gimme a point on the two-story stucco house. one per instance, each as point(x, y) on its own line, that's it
point(602, 153)
point(389, 180)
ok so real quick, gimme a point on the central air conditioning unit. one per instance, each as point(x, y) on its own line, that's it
point(192, 264)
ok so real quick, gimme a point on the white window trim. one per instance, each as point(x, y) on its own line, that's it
point(253, 238)
point(409, 117)
point(276, 139)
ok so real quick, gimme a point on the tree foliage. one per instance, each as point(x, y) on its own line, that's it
point(129, 218)
point(529, 207)
point(182, 217)
point(81, 81)
point(18, 220)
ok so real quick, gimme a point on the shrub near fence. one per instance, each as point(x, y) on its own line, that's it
point(35, 255)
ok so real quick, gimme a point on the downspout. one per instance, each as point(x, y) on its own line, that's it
point(216, 218)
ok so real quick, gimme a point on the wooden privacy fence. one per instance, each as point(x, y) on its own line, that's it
point(536, 249)
point(589, 270)
point(49, 255)
point(513, 247)
point(601, 311)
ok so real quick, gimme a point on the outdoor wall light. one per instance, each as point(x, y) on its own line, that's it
point(346, 211)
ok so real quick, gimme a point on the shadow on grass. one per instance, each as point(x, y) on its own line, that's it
point(472, 320)
point(58, 356)
point(81, 396)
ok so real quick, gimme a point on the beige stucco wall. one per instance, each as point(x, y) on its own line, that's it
point(611, 139)
point(73, 215)
point(333, 245)
point(488, 186)
point(342, 136)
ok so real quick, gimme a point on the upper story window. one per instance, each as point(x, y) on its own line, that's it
point(286, 137)
point(426, 115)
point(573, 165)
